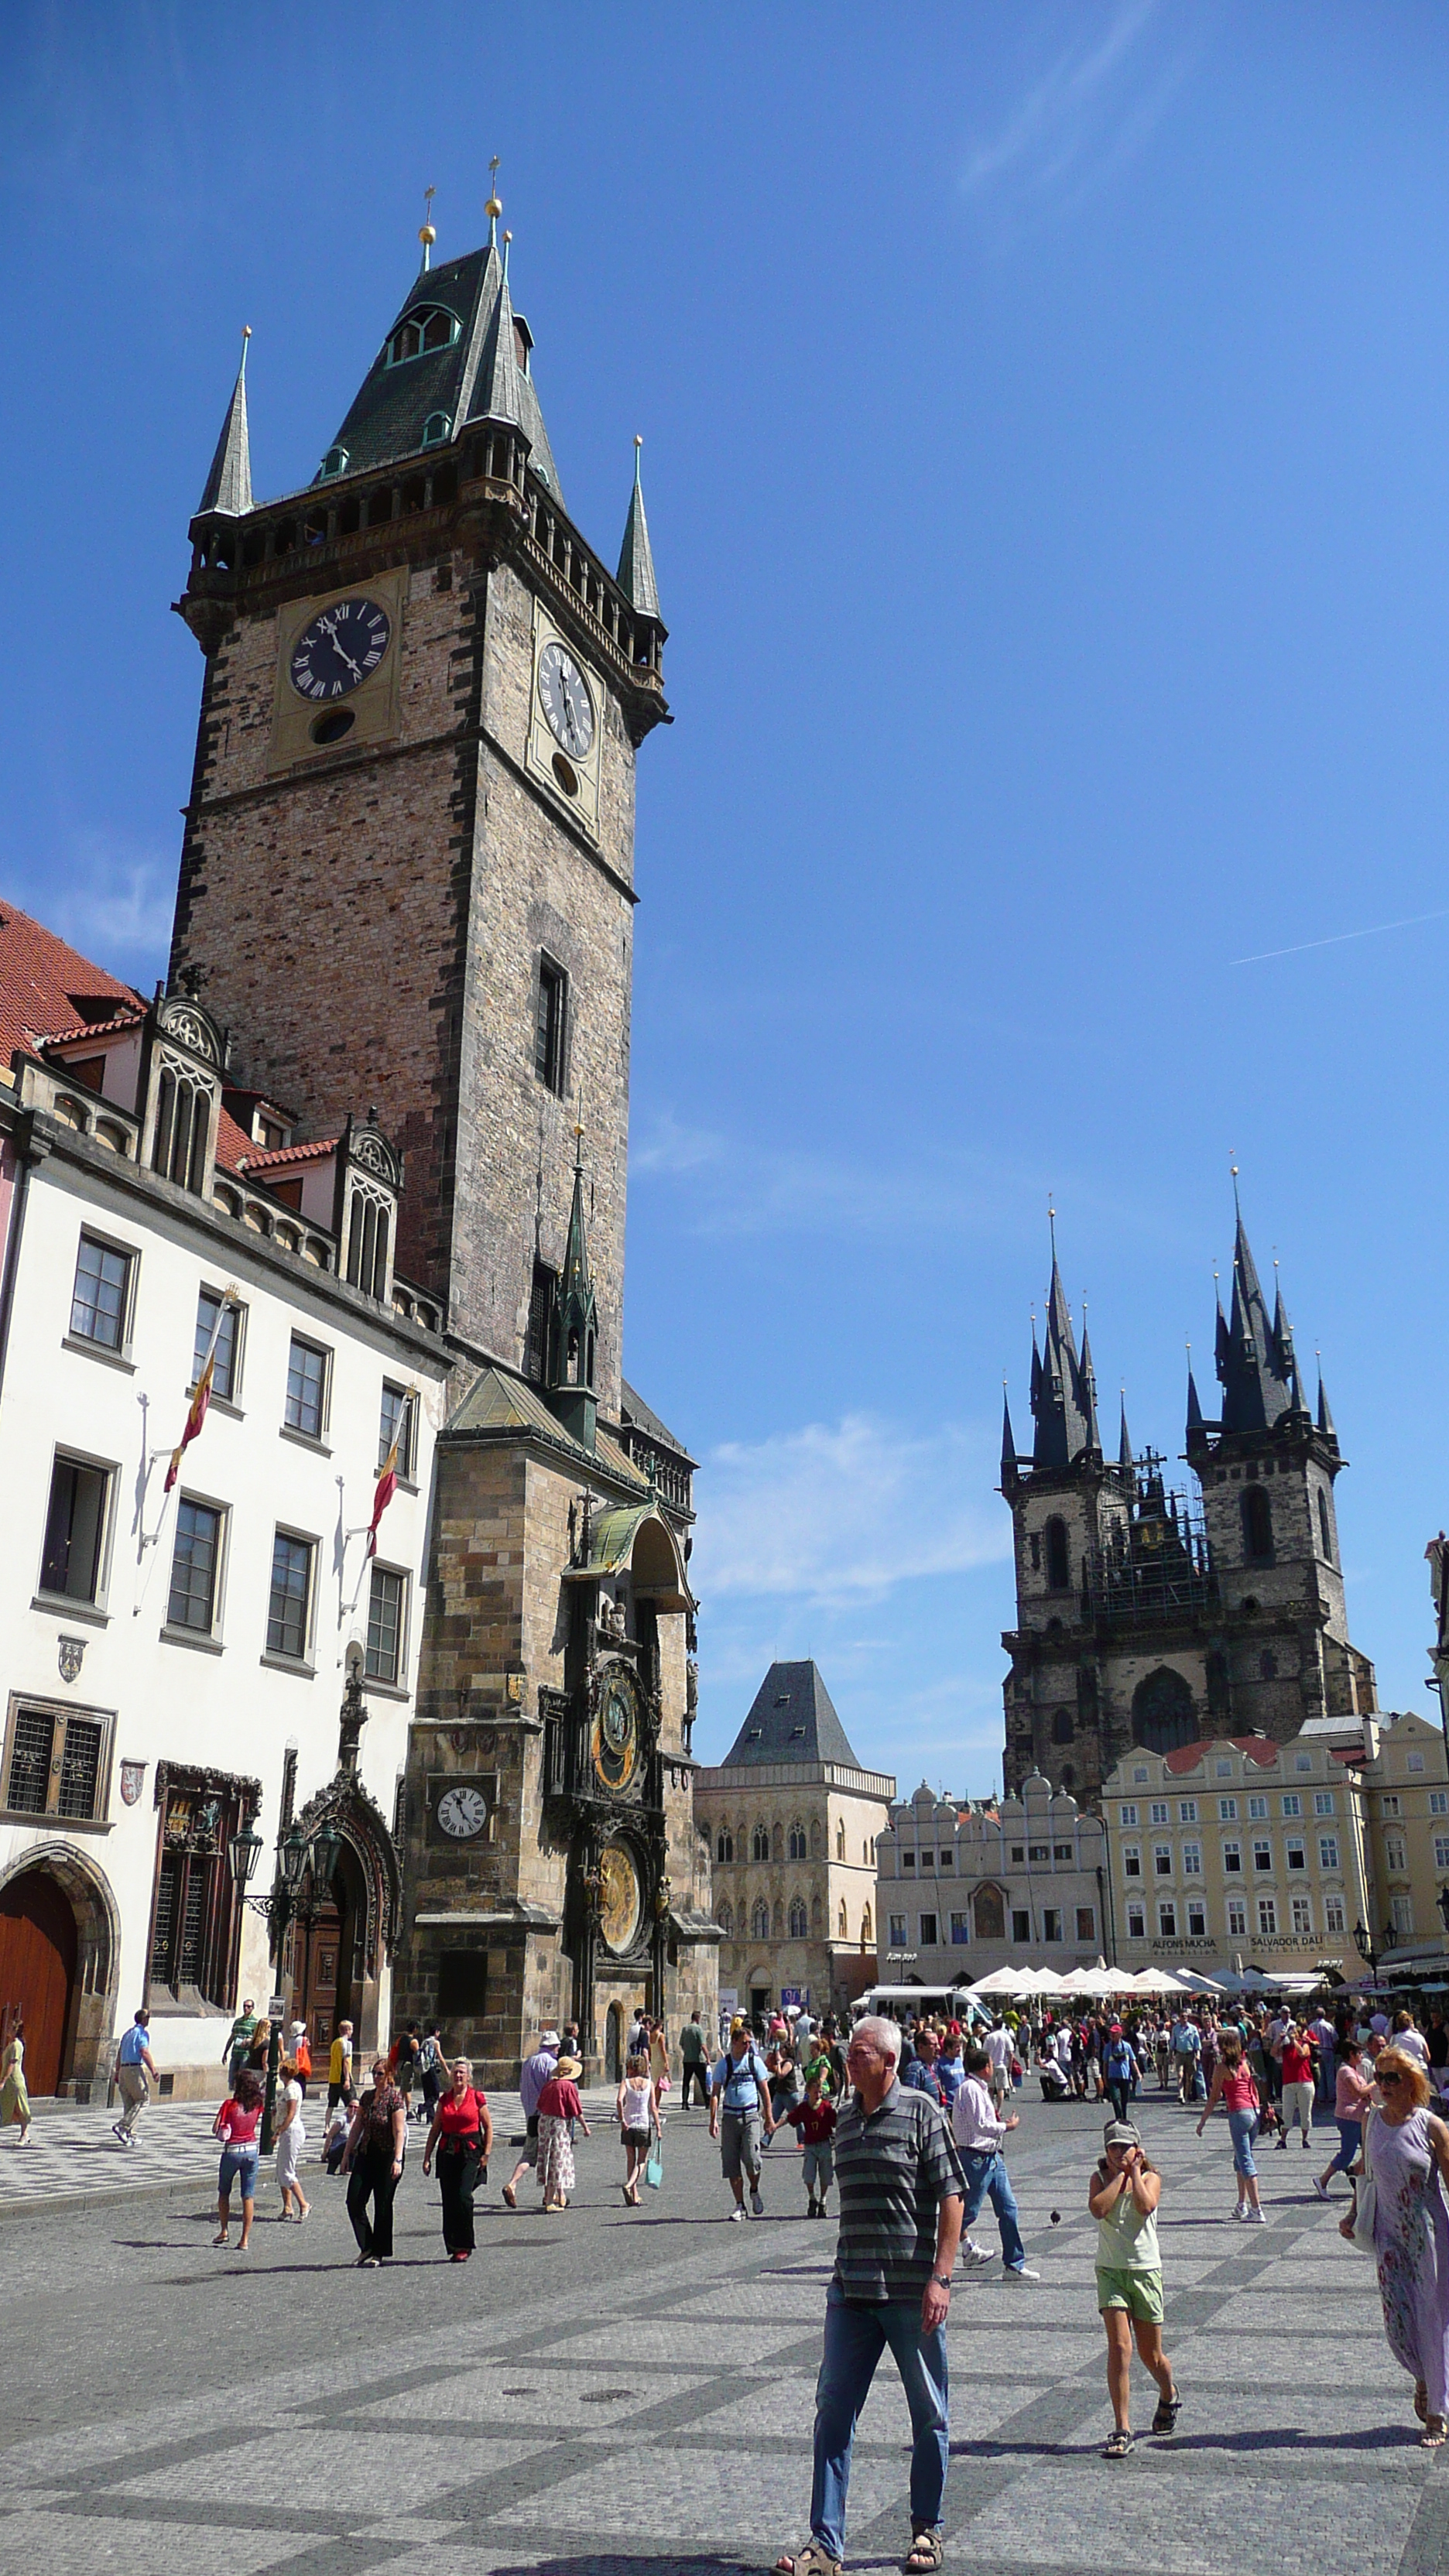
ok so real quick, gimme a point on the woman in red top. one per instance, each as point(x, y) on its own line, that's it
point(1297, 2064)
point(558, 2105)
point(461, 2137)
point(236, 2126)
point(1236, 2087)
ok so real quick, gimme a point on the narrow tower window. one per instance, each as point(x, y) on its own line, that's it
point(1059, 1565)
point(550, 1043)
point(1324, 1532)
point(538, 1357)
point(1257, 1526)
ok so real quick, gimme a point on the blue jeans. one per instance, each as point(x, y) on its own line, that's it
point(1350, 2139)
point(1243, 2129)
point(987, 2178)
point(857, 2332)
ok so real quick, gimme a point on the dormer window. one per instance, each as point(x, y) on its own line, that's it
point(183, 1119)
point(426, 329)
point(334, 462)
point(437, 429)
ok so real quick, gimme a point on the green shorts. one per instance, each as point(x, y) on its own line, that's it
point(1140, 2293)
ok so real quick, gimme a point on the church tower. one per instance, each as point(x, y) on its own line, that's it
point(409, 850)
point(408, 877)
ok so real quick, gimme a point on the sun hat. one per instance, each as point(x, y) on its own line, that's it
point(1121, 2133)
point(569, 2066)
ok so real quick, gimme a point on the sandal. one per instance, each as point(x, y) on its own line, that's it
point(812, 2560)
point(927, 2551)
point(1119, 2446)
point(1168, 2411)
point(1421, 2401)
point(1434, 2434)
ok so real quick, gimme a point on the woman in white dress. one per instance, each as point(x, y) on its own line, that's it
point(291, 2139)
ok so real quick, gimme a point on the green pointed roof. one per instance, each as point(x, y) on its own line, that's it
point(792, 1720)
point(229, 484)
point(636, 559)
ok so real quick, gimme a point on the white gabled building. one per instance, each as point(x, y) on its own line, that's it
point(173, 1665)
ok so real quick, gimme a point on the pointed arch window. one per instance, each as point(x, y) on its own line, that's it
point(725, 1846)
point(1324, 1531)
point(437, 429)
point(842, 1930)
point(866, 1935)
point(760, 1843)
point(799, 1921)
point(724, 1916)
point(183, 1124)
point(797, 1842)
point(1257, 1526)
point(1058, 1559)
point(760, 1920)
point(427, 328)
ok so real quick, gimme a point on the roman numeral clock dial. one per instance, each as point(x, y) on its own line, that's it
point(340, 649)
point(567, 705)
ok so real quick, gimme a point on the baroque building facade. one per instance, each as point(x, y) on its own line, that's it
point(964, 1890)
point(409, 861)
point(1146, 1616)
point(790, 1821)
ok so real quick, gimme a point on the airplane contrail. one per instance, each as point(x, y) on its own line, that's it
point(1374, 931)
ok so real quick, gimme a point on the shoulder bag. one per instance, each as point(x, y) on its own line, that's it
point(1365, 2196)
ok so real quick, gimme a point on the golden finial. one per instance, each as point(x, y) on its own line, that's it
point(426, 234)
point(494, 207)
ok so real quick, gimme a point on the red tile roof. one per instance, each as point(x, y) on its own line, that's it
point(1257, 1748)
point(280, 1155)
point(44, 981)
point(233, 1144)
point(90, 1029)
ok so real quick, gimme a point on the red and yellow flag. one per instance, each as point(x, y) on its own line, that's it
point(201, 1395)
point(386, 1488)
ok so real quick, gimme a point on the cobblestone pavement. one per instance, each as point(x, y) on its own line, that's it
point(611, 2391)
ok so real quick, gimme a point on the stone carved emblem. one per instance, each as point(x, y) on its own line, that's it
point(132, 1776)
point(70, 1654)
point(620, 1899)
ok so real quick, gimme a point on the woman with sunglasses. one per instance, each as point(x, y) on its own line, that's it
point(1406, 2152)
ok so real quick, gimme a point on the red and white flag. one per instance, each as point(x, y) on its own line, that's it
point(200, 1399)
point(386, 1488)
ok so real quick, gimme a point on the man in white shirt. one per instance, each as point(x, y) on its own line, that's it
point(998, 2045)
point(979, 2131)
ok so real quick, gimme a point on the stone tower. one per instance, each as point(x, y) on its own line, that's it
point(409, 846)
point(1146, 1616)
point(408, 875)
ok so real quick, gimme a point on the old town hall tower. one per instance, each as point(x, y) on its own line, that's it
point(408, 877)
point(1148, 1617)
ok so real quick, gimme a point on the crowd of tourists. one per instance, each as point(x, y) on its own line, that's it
point(909, 2123)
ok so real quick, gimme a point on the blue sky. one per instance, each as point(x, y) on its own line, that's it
point(1046, 416)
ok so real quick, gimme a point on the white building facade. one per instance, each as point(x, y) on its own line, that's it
point(964, 1891)
point(172, 1664)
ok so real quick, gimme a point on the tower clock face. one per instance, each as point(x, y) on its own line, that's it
point(566, 702)
point(340, 649)
point(462, 1813)
point(615, 1746)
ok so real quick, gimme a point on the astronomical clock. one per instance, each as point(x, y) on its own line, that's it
point(605, 1793)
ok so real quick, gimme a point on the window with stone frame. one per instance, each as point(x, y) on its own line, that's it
point(1020, 1924)
point(724, 1915)
point(1237, 1918)
point(101, 1297)
point(57, 1762)
point(1137, 1921)
point(960, 1932)
point(760, 1843)
point(1335, 1915)
point(386, 1624)
point(1267, 1915)
point(1167, 1919)
point(760, 1920)
point(799, 1919)
point(73, 1553)
point(398, 1421)
point(797, 1841)
point(724, 1849)
point(1086, 1923)
point(1401, 1913)
point(928, 1932)
point(898, 1931)
point(1302, 1913)
point(192, 1601)
point(1196, 1919)
point(196, 1906)
point(550, 1032)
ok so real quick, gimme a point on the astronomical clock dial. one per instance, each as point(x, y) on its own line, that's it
point(462, 1812)
point(566, 702)
point(615, 1746)
point(340, 649)
point(621, 1899)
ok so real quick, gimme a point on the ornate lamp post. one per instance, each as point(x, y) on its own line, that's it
point(1363, 1942)
point(279, 1907)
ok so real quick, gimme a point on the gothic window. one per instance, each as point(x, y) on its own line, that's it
point(1162, 1712)
point(369, 1218)
point(724, 1916)
point(760, 1845)
point(840, 1842)
point(426, 329)
point(866, 1935)
point(779, 1851)
point(539, 1354)
point(816, 1916)
point(797, 1842)
point(725, 1847)
point(760, 1920)
point(1324, 1534)
point(1058, 1562)
point(840, 1922)
point(437, 429)
point(550, 1034)
point(799, 1922)
point(990, 1914)
point(816, 1838)
point(779, 1920)
point(1257, 1526)
point(183, 1120)
point(1061, 1726)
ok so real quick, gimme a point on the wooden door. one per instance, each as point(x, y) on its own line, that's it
point(317, 2004)
point(37, 1973)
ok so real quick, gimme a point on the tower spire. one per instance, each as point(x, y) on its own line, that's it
point(1124, 1444)
point(1062, 1396)
point(636, 560)
point(229, 484)
point(1008, 1444)
point(1254, 1357)
point(494, 207)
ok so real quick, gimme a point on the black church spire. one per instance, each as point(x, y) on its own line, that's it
point(1254, 1357)
point(1061, 1394)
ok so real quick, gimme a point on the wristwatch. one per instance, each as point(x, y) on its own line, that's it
point(942, 2280)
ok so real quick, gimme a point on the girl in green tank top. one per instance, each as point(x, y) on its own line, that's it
point(1122, 2196)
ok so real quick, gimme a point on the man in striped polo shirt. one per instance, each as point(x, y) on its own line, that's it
point(902, 2188)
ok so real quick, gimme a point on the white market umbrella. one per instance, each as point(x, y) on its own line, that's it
point(1156, 1981)
point(1003, 1981)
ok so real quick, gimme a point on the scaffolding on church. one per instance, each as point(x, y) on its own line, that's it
point(1156, 1566)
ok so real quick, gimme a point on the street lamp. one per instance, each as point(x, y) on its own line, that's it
point(1363, 1943)
point(244, 1851)
point(326, 1845)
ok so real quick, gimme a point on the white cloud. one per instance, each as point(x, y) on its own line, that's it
point(114, 902)
point(833, 1513)
point(1089, 111)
